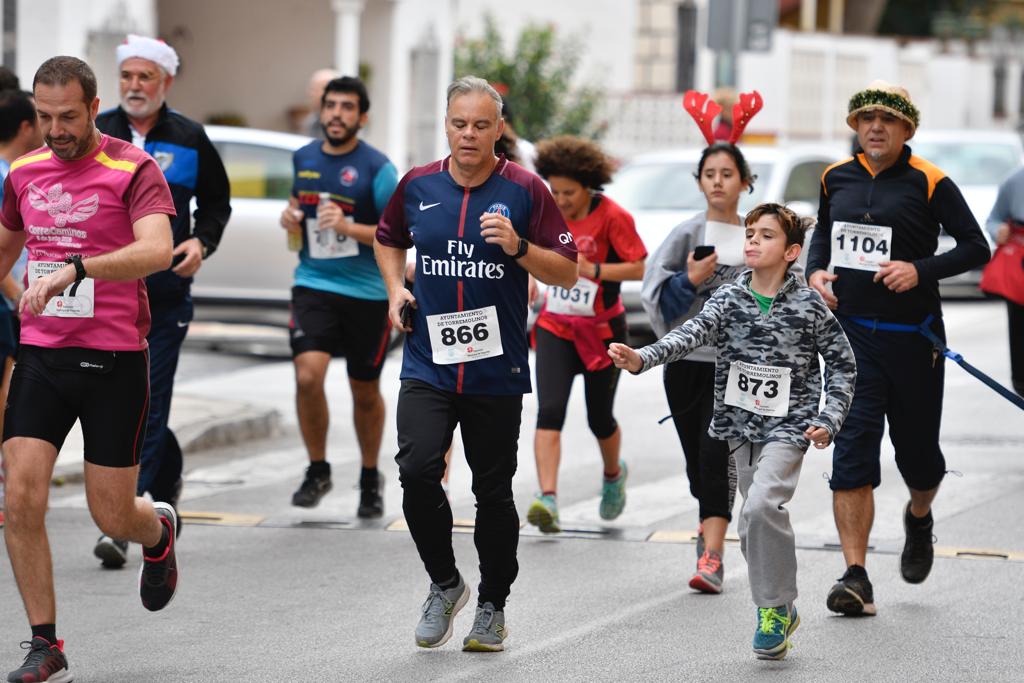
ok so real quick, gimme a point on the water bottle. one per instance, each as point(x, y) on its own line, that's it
point(295, 238)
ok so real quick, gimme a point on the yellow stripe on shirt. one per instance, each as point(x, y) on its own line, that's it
point(25, 161)
point(116, 164)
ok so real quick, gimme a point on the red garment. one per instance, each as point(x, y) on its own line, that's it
point(606, 235)
point(587, 335)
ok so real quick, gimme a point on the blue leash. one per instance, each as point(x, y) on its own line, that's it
point(946, 351)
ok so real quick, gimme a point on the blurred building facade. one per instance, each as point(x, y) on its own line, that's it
point(249, 61)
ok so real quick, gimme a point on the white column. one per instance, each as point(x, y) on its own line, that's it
point(809, 16)
point(835, 15)
point(347, 14)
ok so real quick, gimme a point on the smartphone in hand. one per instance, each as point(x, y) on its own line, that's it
point(406, 315)
point(702, 252)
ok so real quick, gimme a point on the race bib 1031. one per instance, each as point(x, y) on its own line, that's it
point(576, 301)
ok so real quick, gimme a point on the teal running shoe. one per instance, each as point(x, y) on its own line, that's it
point(613, 494)
point(775, 626)
point(543, 514)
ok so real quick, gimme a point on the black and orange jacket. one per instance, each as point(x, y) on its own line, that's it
point(913, 197)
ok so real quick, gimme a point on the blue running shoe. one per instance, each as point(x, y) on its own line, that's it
point(543, 514)
point(774, 627)
point(613, 494)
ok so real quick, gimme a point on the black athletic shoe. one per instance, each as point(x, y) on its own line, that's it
point(371, 498)
point(853, 595)
point(45, 662)
point(112, 552)
point(313, 488)
point(918, 552)
point(158, 577)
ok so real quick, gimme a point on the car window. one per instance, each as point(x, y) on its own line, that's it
point(670, 186)
point(804, 182)
point(974, 163)
point(257, 171)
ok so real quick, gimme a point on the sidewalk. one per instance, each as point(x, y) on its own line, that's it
point(200, 422)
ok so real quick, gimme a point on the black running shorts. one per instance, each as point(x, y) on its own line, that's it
point(107, 390)
point(357, 329)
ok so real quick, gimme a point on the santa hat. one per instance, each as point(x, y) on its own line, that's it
point(148, 48)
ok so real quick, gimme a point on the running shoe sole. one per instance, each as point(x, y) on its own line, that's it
point(459, 604)
point(475, 645)
point(110, 555)
point(847, 602)
point(699, 583)
point(540, 516)
point(314, 503)
point(782, 649)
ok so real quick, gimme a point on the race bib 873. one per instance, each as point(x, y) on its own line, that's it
point(760, 389)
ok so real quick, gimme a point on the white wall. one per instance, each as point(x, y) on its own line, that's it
point(606, 27)
point(87, 29)
point(249, 58)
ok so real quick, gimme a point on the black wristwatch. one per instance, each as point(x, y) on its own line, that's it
point(76, 260)
point(521, 251)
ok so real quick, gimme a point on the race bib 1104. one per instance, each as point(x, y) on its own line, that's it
point(760, 389)
point(861, 247)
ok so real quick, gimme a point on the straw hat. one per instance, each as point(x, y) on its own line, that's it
point(886, 97)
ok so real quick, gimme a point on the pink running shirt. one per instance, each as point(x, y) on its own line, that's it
point(85, 207)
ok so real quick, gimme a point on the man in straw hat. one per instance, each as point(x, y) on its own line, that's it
point(873, 261)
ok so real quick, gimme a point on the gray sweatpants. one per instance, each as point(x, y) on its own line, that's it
point(768, 473)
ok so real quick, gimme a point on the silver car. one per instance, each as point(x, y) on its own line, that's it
point(660, 191)
point(252, 264)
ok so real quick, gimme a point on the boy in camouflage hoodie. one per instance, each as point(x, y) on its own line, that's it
point(768, 329)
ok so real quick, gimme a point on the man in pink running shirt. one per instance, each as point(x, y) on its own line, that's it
point(93, 212)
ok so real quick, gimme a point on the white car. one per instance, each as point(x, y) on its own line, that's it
point(660, 191)
point(978, 162)
point(252, 264)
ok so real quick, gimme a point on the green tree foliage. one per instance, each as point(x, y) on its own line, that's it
point(538, 76)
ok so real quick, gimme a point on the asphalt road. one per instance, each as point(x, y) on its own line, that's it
point(273, 593)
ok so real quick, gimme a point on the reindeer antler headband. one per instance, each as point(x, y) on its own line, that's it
point(704, 110)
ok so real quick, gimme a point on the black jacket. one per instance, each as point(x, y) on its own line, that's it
point(913, 197)
point(192, 167)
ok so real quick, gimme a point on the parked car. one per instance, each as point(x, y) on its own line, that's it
point(660, 190)
point(252, 266)
point(978, 162)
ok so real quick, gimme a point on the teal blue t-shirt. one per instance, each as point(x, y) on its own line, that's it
point(361, 182)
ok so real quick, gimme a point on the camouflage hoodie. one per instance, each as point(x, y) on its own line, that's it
point(795, 330)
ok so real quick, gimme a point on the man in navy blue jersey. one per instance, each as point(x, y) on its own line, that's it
point(339, 303)
point(481, 225)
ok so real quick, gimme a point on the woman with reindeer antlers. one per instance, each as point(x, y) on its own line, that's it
point(693, 261)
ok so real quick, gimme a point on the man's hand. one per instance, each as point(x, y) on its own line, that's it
point(820, 280)
point(625, 357)
point(291, 219)
point(898, 276)
point(193, 250)
point(819, 436)
point(1002, 234)
point(397, 299)
point(41, 290)
point(699, 271)
point(329, 216)
point(497, 229)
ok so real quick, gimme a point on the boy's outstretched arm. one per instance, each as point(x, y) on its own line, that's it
point(700, 330)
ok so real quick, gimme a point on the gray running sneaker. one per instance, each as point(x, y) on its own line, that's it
point(489, 631)
point(439, 610)
point(113, 553)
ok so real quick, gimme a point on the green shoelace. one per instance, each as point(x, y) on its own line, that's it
point(769, 617)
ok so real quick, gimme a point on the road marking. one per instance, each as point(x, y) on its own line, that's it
point(221, 518)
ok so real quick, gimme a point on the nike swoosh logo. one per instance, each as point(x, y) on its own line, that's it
point(182, 324)
point(424, 207)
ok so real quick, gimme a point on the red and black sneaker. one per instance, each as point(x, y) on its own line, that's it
point(158, 577)
point(45, 662)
